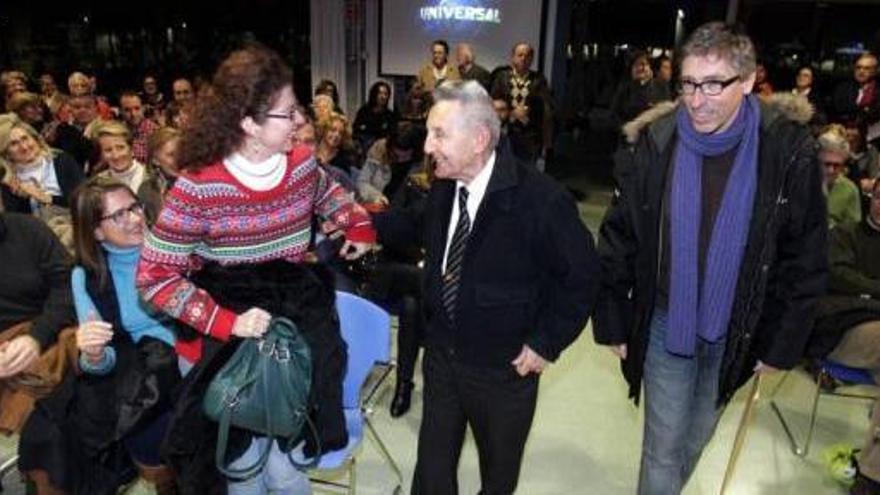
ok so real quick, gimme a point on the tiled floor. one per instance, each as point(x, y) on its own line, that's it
point(586, 435)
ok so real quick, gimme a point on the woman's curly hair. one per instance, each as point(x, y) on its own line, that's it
point(246, 84)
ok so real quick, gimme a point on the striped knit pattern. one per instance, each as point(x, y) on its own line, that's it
point(209, 216)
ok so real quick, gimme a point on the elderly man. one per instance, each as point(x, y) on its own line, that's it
point(468, 67)
point(141, 128)
point(713, 251)
point(843, 198)
point(433, 73)
point(527, 93)
point(857, 100)
point(510, 281)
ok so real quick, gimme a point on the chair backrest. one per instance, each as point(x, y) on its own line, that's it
point(366, 328)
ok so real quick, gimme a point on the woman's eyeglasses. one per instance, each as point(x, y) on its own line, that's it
point(295, 114)
point(122, 215)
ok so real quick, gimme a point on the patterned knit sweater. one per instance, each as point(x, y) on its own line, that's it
point(210, 216)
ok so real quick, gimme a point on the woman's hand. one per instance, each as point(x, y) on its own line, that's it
point(18, 355)
point(253, 323)
point(92, 338)
point(33, 190)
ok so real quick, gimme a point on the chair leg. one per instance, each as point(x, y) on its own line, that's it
point(741, 431)
point(384, 451)
point(352, 476)
point(800, 451)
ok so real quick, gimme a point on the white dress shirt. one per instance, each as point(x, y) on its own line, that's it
point(476, 190)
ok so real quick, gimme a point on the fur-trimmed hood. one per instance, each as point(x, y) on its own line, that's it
point(779, 105)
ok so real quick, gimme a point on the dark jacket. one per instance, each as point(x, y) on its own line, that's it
point(69, 174)
point(854, 286)
point(843, 104)
point(784, 267)
point(34, 279)
point(529, 274)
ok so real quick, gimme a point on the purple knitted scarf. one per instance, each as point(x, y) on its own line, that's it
point(704, 309)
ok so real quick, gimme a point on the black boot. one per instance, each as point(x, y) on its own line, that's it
point(402, 397)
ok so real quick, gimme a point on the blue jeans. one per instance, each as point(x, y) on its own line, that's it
point(680, 409)
point(279, 476)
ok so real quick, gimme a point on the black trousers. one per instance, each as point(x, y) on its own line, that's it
point(499, 406)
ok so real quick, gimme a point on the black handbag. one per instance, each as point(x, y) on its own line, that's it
point(264, 388)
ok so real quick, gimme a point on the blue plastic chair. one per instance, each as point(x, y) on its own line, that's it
point(827, 370)
point(366, 328)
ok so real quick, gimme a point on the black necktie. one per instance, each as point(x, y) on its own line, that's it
point(455, 255)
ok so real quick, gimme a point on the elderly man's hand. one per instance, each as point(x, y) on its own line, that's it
point(529, 361)
point(18, 355)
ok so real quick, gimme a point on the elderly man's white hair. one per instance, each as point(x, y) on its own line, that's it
point(475, 103)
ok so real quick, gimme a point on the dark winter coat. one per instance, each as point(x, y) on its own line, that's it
point(784, 267)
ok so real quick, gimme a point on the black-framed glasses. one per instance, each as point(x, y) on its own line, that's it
point(122, 215)
point(712, 87)
point(295, 114)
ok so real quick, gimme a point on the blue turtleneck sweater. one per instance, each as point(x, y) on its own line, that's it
point(137, 318)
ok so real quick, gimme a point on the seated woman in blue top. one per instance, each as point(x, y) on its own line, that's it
point(109, 228)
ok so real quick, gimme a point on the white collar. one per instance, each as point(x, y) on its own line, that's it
point(476, 188)
point(260, 176)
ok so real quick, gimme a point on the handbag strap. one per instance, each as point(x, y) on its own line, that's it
point(222, 443)
point(313, 461)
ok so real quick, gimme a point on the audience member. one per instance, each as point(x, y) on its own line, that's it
point(374, 119)
point(763, 86)
point(162, 171)
point(389, 161)
point(322, 109)
point(528, 95)
point(52, 97)
point(639, 91)
point(848, 323)
point(35, 306)
point(856, 100)
point(79, 85)
point(469, 69)
point(113, 140)
point(90, 432)
point(139, 125)
point(438, 69)
point(328, 87)
point(844, 205)
point(152, 98)
point(864, 159)
point(38, 180)
point(335, 148)
point(182, 90)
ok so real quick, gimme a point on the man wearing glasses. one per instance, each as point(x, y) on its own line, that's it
point(713, 251)
point(856, 100)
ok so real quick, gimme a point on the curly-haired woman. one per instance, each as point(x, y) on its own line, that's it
point(245, 200)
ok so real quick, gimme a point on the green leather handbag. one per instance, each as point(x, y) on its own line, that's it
point(263, 388)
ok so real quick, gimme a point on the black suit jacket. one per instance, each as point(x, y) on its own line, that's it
point(529, 274)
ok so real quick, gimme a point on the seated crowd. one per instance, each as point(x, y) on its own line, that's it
point(116, 240)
